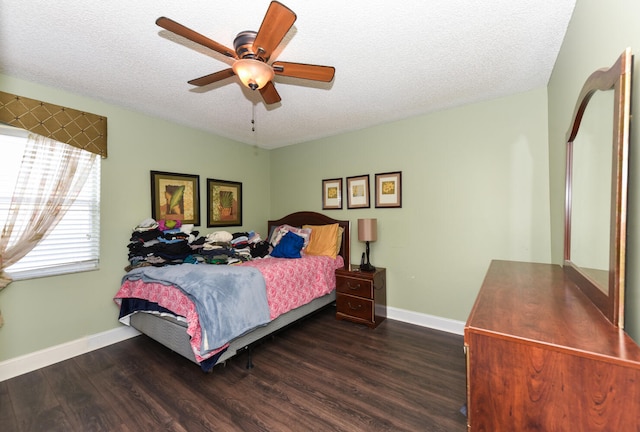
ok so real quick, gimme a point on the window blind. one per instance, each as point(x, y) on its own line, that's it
point(74, 244)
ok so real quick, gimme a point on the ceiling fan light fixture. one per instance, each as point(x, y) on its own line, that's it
point(254, 74)
point(253, 52)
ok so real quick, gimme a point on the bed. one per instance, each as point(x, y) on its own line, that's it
point(176, 331)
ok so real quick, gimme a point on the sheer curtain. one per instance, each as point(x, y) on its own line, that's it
point(51, 176)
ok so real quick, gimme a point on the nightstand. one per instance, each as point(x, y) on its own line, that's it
point(361, 297)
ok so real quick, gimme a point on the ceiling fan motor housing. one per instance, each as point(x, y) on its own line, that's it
point(243, 44)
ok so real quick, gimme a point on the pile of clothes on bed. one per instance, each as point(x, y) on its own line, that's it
point(168, 242)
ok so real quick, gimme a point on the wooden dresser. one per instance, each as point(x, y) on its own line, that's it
point(541, 357)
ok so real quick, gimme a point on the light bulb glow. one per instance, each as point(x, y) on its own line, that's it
point(254, 74)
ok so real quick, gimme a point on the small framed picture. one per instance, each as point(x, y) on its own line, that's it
point(175, 197)
point(389, 189)
point(332, 194)
point(224, 203)
point(358, 192)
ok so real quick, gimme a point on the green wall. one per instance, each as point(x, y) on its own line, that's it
point(598, 33)
point(475, 188)
point(41, 313)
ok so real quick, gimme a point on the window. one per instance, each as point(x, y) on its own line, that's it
point(74, 244)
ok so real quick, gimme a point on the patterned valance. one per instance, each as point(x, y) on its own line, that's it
point(77, 128)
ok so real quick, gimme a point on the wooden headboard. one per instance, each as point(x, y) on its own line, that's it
point(312, 218)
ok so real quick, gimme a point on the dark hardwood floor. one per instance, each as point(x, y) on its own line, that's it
point(320, 375)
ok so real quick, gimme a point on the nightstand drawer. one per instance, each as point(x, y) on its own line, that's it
point(353, 286)
point(355, 307)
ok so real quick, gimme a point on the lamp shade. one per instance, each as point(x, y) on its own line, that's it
point(254, 74)
point(367, 229)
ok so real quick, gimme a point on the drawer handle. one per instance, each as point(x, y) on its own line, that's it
point(353, 287)
point(354, 308)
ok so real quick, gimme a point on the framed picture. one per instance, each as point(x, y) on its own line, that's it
point(224, 203)
point(332, 194)
point(175, 196)
point(358, 192)
point(389, 189)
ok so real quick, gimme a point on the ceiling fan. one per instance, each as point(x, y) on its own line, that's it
point(252, 54)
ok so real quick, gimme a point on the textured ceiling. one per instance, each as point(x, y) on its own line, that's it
point(393, 59)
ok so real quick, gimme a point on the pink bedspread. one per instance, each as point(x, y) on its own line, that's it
point(171, 298)
point(291, 283)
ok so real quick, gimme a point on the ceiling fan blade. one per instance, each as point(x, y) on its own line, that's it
point(211, 78)
point(275, 25)
point(180, 30)
point(306, 71)
point(270, 94)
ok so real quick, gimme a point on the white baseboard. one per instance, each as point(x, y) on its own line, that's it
point(48, 356)
point(425, 320)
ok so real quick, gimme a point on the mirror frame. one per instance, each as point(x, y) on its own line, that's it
point(610, 299)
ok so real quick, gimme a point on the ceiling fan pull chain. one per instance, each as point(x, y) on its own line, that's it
point(253, 117)
point(253, 128)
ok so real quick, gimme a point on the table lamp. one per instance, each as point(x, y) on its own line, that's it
point(367, 232)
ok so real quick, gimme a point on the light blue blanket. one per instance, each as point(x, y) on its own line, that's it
point(229, 300)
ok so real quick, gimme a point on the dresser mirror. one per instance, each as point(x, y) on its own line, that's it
point(596, 188)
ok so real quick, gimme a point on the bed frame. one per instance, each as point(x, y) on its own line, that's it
point(172, 333)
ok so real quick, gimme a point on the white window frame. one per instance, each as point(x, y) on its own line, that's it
point(66, 249)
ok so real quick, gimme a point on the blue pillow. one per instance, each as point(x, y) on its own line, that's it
point(289, 246)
